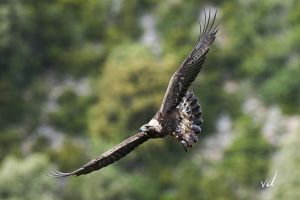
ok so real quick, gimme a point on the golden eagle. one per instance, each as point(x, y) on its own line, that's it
point(180, 114)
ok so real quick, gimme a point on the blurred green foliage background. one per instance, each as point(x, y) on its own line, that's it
point(78, 76)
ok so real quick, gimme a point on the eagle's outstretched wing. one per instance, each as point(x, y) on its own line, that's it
point(191, 66)
point(107, 158)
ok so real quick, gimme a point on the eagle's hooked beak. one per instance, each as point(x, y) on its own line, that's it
point(144, 128)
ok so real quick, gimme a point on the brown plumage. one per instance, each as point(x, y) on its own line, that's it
point(179, 116)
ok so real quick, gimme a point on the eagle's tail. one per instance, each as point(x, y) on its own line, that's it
point(190, 120)
point(192, 107)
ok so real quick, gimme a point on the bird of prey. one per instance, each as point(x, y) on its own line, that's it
point(179, 116)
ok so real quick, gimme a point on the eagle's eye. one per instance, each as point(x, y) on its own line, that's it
point(145, 128)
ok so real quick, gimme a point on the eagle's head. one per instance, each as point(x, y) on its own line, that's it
point(153, 128)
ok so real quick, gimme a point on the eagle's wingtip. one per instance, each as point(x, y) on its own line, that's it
point(58, 174)
point(209, 27)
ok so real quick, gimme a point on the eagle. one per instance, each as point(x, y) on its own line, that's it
point(180, 114)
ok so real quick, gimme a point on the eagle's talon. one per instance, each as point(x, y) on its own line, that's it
point(184, 144)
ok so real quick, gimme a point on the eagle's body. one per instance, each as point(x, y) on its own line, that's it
point(179, 116)
point(182, 122)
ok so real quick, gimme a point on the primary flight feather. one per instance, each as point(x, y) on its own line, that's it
point(180, 114)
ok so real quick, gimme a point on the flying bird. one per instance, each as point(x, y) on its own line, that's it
point(180, 114)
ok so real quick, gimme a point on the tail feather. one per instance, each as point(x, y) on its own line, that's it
point(189, 120)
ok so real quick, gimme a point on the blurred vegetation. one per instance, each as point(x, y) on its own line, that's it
point(76, 78)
